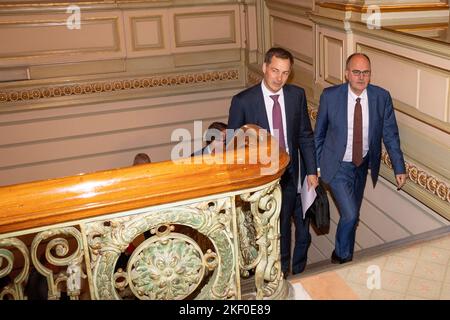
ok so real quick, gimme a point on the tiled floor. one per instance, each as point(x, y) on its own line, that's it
point(420, 271)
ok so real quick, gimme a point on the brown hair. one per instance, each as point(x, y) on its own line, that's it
point(279, 53)
point(141, 158)
point(210, 133)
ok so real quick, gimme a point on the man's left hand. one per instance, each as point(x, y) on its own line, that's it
point(401, 180)
point(313, 181)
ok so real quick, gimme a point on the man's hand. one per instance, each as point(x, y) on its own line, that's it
point(401, 180)
point(313, 181)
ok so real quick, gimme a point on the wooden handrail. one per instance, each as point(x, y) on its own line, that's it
point(47, 202)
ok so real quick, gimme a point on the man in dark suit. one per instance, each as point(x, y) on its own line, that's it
point(352, 121)
point(281, 109)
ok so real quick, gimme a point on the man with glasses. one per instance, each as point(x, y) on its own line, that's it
point(353, 119)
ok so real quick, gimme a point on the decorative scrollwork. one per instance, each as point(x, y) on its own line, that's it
point(14, 289)
point(266, 206)
point(64, 257)
point(109, 238)
point(422, 178)
point(210, 260)
point(247, 241)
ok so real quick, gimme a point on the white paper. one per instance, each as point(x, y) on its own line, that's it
point(307, 196)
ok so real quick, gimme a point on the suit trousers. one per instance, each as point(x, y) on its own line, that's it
point(291, 210)
point(302, 238)
point(347, 187)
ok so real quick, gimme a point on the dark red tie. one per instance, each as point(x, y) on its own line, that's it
point(277, 121)
point(357, 134)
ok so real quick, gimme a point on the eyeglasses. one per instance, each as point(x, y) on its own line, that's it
point(357, 73)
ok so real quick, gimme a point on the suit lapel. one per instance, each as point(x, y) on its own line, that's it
point(261, 110)
point(289, 105)
point(342, 115)
point(371, 97)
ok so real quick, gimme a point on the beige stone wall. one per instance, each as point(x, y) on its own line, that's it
point(41, 144)
point(288, 26)
point(136, 38)
point(88, 99)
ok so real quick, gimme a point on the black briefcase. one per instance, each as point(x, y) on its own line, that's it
point(319, 212)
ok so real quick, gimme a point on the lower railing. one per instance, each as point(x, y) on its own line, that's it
point(159, 231)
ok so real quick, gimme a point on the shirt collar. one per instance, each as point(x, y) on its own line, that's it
point(267, 92)
point(352, 95)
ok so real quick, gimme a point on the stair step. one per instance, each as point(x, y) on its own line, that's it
point(326, 265)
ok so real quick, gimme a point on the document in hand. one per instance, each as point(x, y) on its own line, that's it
point(307, 196)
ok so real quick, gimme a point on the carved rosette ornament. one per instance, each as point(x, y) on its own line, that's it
point(166, 268)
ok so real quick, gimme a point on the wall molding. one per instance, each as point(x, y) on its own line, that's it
point(113, 22)
point(15, 6)
point(363, 8)
point(178, 18)
point(326, 41)
point(386, 35)
point(421, 66)
point(157, 19)
point(279, 19)
point(298, 11)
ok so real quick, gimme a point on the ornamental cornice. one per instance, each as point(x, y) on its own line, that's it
point(118, 85)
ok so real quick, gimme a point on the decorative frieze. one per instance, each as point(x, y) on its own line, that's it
point(253, 77)
point(159, 81)
point(422, 178)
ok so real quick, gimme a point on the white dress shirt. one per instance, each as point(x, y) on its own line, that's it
point(351, 101)
point(268, 101)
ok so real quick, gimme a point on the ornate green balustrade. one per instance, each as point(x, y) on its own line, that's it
point(169, 230)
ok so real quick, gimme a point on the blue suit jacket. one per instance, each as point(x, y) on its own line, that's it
point(331, 131)
point(248, 107)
